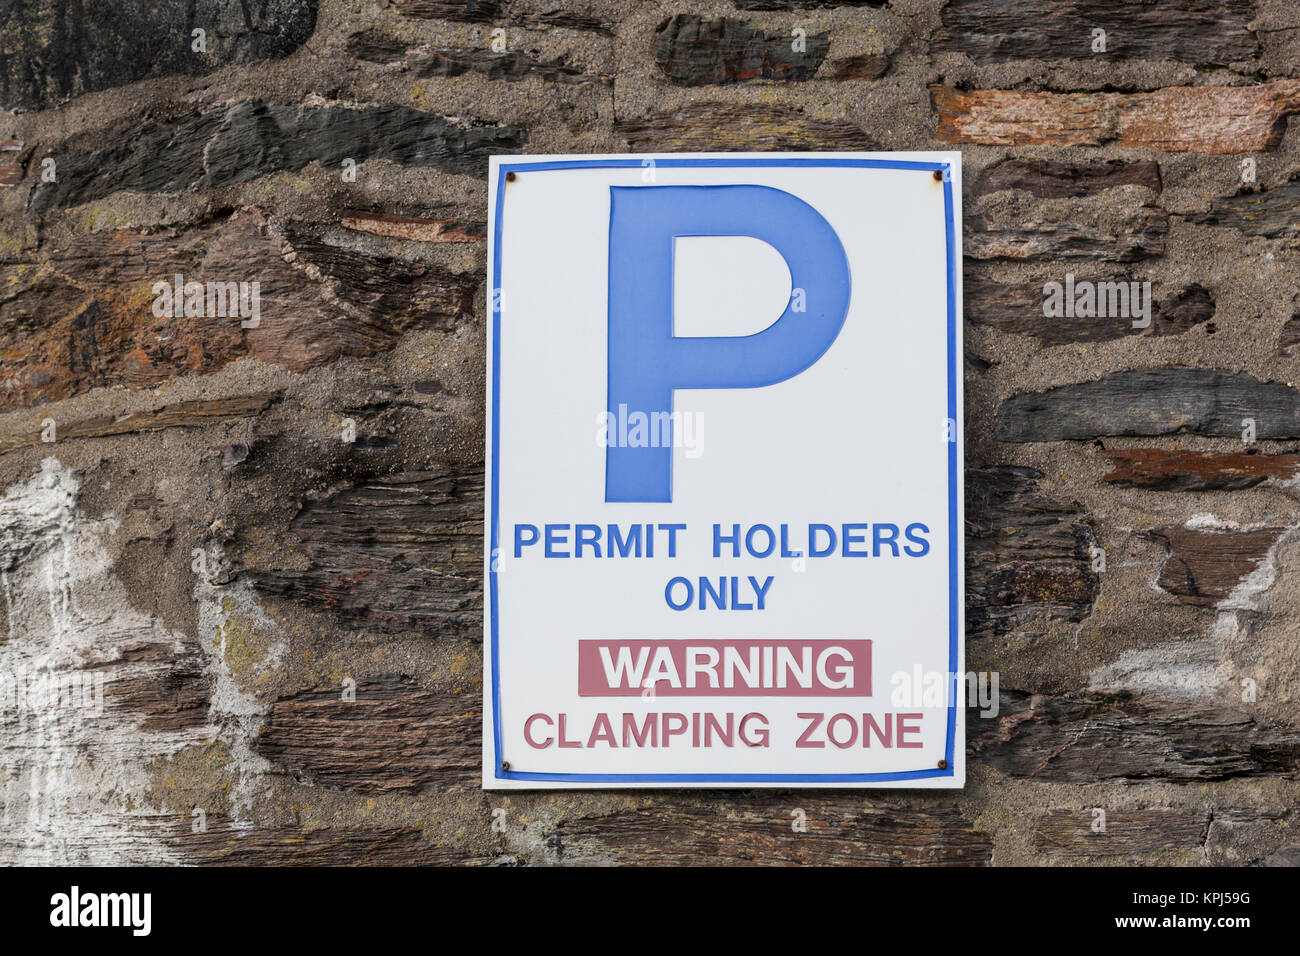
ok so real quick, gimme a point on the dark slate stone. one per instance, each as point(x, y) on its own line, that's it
point(250, 139)
point(1018, 308)
point(1193, 31)
point(53, 49)
point(465, 11)
point(1287, 856)
point(996, 234)
point(1028, 555)
point(1160, 401)
point(449, 63)
point(739, 127)
point(1290, 336)
point(1089, 737)
point(1055, 180)
point(804, 4)
point(1273, 213)
point(375, 47)
point(395, 552)
point(695, 51)
point(498, 66)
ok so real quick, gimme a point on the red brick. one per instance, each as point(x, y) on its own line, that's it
point(1203, 119)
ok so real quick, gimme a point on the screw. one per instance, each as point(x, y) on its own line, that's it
point(505, 764)
point(943, 765)
point(510, 177)
point(938, 175)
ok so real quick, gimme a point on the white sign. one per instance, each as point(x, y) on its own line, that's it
point(724, 507)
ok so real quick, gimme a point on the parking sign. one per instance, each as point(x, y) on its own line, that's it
point(724, 515)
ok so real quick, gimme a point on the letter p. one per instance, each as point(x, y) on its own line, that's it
point(647, 361)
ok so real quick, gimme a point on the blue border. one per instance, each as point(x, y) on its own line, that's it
point(954, 533)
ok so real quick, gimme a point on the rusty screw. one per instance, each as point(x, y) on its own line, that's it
point(510, 177)
point(943, 765)
point(938, 175)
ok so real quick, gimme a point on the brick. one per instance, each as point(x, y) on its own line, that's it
point(1204, 566)
point(1204, 119)
point(1164, 470)
point(11, 169)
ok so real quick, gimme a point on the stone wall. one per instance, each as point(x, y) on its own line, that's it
point(195, 567)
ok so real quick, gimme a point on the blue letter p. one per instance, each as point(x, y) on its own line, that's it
point(647, 361)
